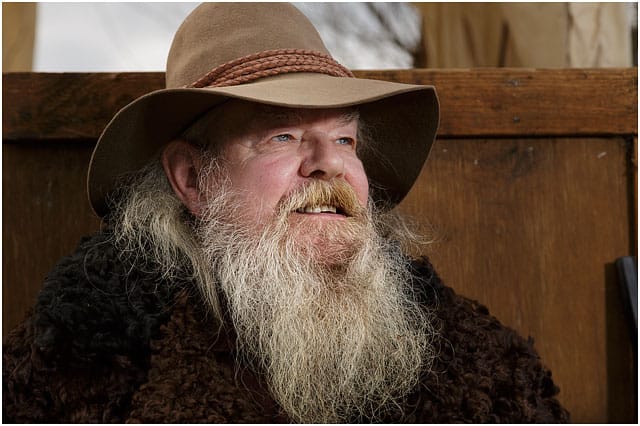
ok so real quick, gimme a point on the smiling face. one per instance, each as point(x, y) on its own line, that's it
point(270, 153)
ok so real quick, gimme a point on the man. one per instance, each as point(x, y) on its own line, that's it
point(251, 268)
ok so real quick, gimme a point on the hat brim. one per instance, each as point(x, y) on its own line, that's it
point(401, 119)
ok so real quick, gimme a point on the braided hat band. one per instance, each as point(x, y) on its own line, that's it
point(269, 63)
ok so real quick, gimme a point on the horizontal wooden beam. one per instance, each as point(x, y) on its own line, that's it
point(529, 102)
point(67, 106)
point(474, 103)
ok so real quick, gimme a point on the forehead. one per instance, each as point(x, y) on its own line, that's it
point(274, 114)
point(253, 116)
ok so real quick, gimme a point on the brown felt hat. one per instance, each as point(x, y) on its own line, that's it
point(267, 53)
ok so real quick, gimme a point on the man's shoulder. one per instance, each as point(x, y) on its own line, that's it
point(454, 311)
point(93, 300)
point(484, 371)
point(90, 329)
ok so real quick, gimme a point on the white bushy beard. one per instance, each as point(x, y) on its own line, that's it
point(333, 327)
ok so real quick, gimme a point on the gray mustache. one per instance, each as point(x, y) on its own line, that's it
point(336, 192)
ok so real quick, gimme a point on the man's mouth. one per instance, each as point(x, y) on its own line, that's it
point(323, 199)
point(320, 209)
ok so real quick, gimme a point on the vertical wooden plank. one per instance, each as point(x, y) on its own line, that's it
point(45, 213)
point(18, 36)
point(528, 227)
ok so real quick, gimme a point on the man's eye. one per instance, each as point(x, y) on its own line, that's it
point(283, 138)
point(345, 141)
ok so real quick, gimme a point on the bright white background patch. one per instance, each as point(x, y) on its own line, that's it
point(137, 36)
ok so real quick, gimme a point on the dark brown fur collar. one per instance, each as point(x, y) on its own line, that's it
point(194, 377)
point(105, 344)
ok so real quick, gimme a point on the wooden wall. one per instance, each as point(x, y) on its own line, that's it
point(529, 194)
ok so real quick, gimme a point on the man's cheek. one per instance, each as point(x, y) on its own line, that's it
point(357, 178)
point(361, 187)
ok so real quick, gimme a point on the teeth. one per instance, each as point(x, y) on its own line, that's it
point(317, 209)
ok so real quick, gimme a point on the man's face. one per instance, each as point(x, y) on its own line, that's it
point(318, 300)
point(270, 152)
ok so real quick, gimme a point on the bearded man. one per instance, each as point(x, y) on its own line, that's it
point(251, 268)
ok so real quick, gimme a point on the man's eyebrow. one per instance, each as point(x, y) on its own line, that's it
point(270, 115)
point(273, 115)
point(349, 116)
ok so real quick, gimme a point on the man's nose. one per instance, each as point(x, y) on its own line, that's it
point(322, 158)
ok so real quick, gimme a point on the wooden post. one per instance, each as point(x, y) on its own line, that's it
point(18, 35)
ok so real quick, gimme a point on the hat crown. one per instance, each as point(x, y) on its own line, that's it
point(217, 33)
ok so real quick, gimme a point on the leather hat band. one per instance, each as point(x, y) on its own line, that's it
point(269, 63)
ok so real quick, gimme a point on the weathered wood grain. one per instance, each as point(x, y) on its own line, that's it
point(45, 213)
point(479, 103)
point(67, 106)
point(516, 102)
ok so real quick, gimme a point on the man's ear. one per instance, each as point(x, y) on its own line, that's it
point(181, 162)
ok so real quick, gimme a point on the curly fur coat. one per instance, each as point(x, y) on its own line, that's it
point(107, 344)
